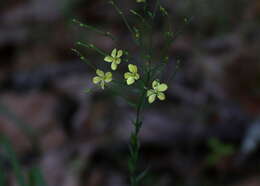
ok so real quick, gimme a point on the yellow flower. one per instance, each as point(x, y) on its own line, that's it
point(157, 91)
point(132, 75)
point(114, 58)
point(102, 78)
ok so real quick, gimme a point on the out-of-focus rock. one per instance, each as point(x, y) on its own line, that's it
point(242, 80)
point(19, 140)
point(252, 181)
point(54, 167)
point(37, 10)
point(53, 139)
point(34, 110)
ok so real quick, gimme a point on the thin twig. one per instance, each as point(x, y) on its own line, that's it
point(83, 58)
point(138, 15)
point(120, 12)
point(91, 46)
point(155, 8)
point(171, 37)
point(177, 67)
point(94, 29)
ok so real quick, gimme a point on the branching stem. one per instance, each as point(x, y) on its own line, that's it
point(94, 29)
point(91, 46)
point(120, 12)
point(78, 53)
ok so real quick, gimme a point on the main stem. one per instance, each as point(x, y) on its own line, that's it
point(135, 175)
point(135, 144)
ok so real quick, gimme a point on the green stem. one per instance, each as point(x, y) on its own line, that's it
point(120, 12)
point(13, 160)
point(78, 53)
point(94, 29)
point(122, 15)
point(139, 15)
point(177, 67)
point(155, 8)
point(91, 46)
point(135, 141)
point(135, 144)
point(171, 37)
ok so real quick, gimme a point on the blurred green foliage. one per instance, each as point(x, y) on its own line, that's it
point(218, 151)
point(33, 177)
point(21, 125)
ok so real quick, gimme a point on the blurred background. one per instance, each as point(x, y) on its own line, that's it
point(206, 133)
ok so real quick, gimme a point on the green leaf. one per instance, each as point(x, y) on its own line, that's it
point(218, 151)
point(13, 160)
point(36, 177)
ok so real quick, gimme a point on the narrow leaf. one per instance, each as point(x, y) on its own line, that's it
point(13, 159)
point(36, 177)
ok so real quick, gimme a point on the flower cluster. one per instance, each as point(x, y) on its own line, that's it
point(103, 78)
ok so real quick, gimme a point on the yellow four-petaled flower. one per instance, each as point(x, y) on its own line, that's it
point(157, 91)
point(114, 58)
point(102, 78)
point(132, 75)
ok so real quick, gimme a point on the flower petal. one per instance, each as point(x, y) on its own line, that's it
point(130, 81)
point(100, 73)
point(162, 87)
point(108, 80)
point(102, 84)
point(161, 96)
point(151, 98)
point(108, 77)
point(108, 59)
point(127, 75)
point(149, 93)
point(119, 53)
point(137, 76)
point(155, 84)
point(96, 79)
point(113, 53)
point(117, 60)
point(132, 68)
point(113, 66)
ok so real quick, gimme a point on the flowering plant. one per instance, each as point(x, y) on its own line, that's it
point(143, 76)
